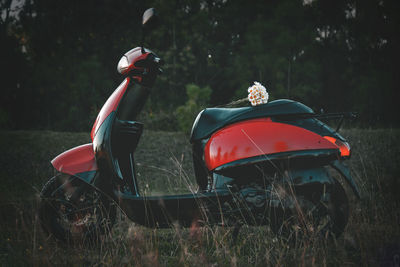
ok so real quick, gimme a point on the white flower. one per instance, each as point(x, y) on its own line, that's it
point(257, 94)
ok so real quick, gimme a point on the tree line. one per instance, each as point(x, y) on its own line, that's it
point(58, 58)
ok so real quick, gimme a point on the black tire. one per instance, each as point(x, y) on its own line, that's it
point(73, 211)
point(322, 213)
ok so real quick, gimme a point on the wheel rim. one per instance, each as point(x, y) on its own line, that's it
point(79, 217)
point(326, 215)
point(73, 211)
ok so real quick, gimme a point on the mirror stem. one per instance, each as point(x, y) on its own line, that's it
point(142, 42)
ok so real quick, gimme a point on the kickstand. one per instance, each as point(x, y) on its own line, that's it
point(235, 232)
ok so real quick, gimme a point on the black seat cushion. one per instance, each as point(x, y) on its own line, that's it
point(210, 120)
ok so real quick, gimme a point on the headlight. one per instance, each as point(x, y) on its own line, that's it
point(123, 65)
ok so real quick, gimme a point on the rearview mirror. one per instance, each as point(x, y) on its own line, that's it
point(148, 16)
point(148, 22)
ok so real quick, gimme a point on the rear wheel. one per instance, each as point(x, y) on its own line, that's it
point(314, 210)
point(73, 211)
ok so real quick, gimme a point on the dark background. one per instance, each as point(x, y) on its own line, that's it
point(58, 58)
point(58, 66)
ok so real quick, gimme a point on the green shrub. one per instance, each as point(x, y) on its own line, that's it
point(198, 98)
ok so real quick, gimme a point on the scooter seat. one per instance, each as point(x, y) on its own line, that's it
point(210, 120)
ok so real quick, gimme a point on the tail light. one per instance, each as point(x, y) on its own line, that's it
point(344, 147)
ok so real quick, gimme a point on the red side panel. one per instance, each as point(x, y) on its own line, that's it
point(76, 160)
point(110, 106)
point(259, 137)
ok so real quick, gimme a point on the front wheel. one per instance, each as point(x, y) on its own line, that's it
point(73, 211)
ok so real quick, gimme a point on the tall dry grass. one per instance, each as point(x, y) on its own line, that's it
point(372, 237)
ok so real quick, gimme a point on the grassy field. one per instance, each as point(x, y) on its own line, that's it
point(164, 167)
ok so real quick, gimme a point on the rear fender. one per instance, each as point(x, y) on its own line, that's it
point(345, 172)
point(319, 175)
point(303, 177)
point(308, 181)
point(78, 161)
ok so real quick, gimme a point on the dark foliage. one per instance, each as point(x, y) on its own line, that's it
point(58, 58)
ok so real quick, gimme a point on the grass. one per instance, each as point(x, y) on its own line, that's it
point(164, 167)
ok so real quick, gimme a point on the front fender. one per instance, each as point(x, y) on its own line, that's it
point(78, 161)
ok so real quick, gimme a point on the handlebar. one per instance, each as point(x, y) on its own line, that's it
point(147, 69)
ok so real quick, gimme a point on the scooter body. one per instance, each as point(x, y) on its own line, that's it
point(229, 146)
point(240, 155)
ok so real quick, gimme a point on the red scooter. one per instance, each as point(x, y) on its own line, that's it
point(272, 164)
